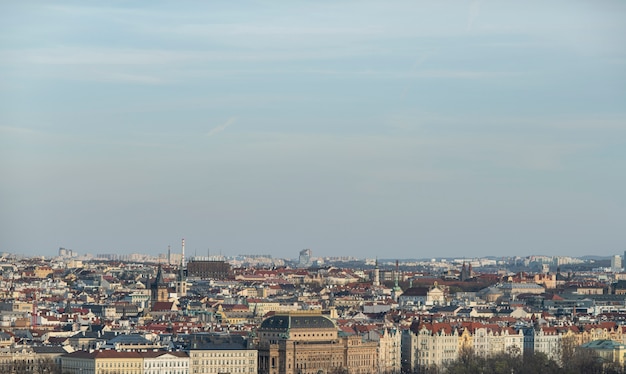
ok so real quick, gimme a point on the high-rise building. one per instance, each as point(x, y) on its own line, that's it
point(305, 258)
point(616, 263)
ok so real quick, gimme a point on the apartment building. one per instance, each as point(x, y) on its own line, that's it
point(221, 353)
point(123, 362)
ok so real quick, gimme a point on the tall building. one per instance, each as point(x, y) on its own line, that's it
point(181, 283)
point(616, 263)
point(304, 260)
point(376, 275)
point(158, 290)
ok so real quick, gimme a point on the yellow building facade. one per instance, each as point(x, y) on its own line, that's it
point(310, 343)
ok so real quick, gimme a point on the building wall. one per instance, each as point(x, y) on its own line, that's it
point(313, 346)
point(223, 361)
point(119, 365)
point(208, 269)
point(166, 364)
point(389, 351)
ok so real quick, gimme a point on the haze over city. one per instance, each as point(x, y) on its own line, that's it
point(353, 128)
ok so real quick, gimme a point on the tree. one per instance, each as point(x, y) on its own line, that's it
point(538, 363)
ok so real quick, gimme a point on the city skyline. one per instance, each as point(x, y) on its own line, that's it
point(352, 128)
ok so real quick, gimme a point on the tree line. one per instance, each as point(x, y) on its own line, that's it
point(578, 361)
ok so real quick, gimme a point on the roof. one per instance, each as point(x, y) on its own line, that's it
point(520, 285)
point(49, 350)
point(155, 354)
point(129, 339)
point(215, 341)
point(103, 354)
point(163, 306)
point(287, 322)
point(416, 291)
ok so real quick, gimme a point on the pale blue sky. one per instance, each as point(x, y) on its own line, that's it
point(364, 128)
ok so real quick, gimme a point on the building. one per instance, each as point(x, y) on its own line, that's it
point(208, 269)
point(221, 353)
point(376, 275)
point(429, 345)
point(304, 260)
point(616, 263)
point(124, 362)
point(102, 362)
point(163, 362)
point(609, 351)
point(389, 350)
point(309, 343)
point(546, 340)
point(25, 359)
point(158, 290)
point(422, 296)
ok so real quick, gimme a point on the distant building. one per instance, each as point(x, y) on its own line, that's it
point(422, 296)
point(616, 263)
point(208, 269)
point(304, 260)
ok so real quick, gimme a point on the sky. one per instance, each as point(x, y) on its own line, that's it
point(402, 129)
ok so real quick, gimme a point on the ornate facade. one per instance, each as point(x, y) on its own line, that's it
point(309, 343)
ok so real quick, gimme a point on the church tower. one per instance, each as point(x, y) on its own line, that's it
point(376, 275)
point(181, 282)
point(158, 290)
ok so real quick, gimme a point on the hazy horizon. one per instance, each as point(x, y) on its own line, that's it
point(354, 128)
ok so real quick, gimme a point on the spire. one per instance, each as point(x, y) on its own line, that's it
point(397, 274)
point(182, 254)
point(159, 277)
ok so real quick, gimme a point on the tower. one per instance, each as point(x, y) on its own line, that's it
point(464, 275)
point(182, 261)
point(181, 279)
point(158, 290)
point(396, 291)
point(181, 283)
point(376, 274)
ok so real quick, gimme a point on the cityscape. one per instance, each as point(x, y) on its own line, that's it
point(171, 313)
point(312, 187)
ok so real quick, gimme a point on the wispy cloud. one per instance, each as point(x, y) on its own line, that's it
point(221, 127)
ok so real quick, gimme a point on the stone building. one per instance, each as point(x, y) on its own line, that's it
point(309, 343)
point(221, 353)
